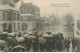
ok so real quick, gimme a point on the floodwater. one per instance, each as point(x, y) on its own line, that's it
point(66, 30)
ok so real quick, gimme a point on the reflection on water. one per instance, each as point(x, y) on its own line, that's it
point(66, 30)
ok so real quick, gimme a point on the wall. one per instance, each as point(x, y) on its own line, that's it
point(1, 15)
point(30, 24)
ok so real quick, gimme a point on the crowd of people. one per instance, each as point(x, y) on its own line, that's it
point(47, 42)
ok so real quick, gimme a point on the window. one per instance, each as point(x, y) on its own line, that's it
point(26, 27)
point(14, 26)
point(4, 15)
point(8, 16)
point(14, 16)
point(28, 18)
point(9, 28)
point(4, 27)
point(18, 26)
point(18, 16)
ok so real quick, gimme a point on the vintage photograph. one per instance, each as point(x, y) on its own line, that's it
point(39, 25)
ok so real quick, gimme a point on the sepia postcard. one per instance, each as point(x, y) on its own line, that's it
point(39, 25)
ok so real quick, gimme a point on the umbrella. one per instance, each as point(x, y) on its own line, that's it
point(42, 40)
point(49, 32)
point(40, 32)
point(51, 35)
point(46, 36)
point(31, 37)
point(60, 33)
point(56, 35)
point(9, 39)
point(29, 32)
point(20, 31)
point(20, 39)
point(18, 46)
point(10, 34)
point(2, 42)
point(25, 36)
point(3, 35)
point(4, 32)
point(25, 32)
point(15, 33)
point(75, 38)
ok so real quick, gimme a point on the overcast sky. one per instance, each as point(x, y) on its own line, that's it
point(46, 9)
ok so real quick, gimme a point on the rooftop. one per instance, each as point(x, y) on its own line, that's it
point(7, 7)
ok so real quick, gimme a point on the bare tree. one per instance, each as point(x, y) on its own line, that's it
point(55, 19)
point(69, 19)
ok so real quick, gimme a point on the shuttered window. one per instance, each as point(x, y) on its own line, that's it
point(4, 15)
point(14, 16)
point(8, 16)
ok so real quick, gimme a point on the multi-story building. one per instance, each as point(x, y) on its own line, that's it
point(10, 19)
point(29, 14)
point(10, 2)
point(30, 8)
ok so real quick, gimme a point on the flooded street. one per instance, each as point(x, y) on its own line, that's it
point(59, 29)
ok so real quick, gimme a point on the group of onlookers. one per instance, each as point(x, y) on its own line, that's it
point(47, 42)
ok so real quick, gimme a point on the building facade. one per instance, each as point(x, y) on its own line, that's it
point(27, 22)
point(29, 14)
point(30, 8)
point(10, 19)
point(13, 20)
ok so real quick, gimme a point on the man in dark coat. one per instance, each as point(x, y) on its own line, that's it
point(67, 44)
point(74, 43)
point(42, 46)
point(35, 44)
point(48, 45)
point(3, 37)
point(53, 43)
point(28, 44)
point(58, 45)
